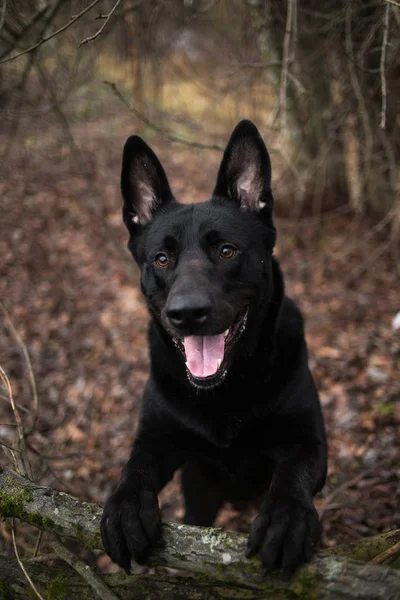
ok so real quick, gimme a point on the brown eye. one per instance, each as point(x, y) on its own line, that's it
point(161, 259)
point(227, 251)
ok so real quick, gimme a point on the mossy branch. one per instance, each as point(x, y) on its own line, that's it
point(210, 554)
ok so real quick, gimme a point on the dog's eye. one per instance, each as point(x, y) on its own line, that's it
point(161, 259)
point(227, 251)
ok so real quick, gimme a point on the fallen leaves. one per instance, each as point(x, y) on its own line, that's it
point(76, 302)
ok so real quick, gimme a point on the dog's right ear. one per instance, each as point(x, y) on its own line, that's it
point(144, 184)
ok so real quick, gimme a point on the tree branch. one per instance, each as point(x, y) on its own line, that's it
point(52, 35)
point(70, 586)
point(209, 553)
point(98, 586)
point(156, 128)
point(96, 35)
point(26, 574)
point(3, 13)
point(382, 65)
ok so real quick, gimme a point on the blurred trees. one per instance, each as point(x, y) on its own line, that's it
point(340, 78)
point(321, 78)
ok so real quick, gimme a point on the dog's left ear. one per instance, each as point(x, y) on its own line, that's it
point(245, 172)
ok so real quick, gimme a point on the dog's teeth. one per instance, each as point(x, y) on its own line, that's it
point(219, 362)
point(226, 332)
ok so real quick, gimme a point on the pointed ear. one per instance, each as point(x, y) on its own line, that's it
point(144, 184)
point(245, 172)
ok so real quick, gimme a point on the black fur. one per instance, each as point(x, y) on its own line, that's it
point(254, 429)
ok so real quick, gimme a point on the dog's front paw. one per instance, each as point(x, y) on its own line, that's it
point(130, 525)
point(285, 534)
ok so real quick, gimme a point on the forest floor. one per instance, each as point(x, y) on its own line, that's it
point(72, 294)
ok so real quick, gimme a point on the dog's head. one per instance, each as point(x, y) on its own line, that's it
point(205, 267)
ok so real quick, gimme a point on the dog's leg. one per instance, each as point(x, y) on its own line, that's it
point(287, 530)
point(131, 522)
point(203, 496)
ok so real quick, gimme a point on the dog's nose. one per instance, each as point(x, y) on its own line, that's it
point(187, 312)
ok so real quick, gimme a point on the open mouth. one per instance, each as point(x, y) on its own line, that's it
point(207, 356)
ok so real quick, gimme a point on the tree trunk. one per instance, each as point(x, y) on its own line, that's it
point(215, 558)
point(351, 138)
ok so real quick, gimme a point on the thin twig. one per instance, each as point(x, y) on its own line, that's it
point(53, 10)
point(285, 63)
point(23, 465)
point(9, 450)
point(359, 96)
point(75, 151)
point(35, 19)
point(96, 35)
point(156, 128)
point(349, 483)
point(364, 266)
point(52, 35)
point(382, 65)
point(38, 542)
point(25, 353)
point(97, 585)
point(20, 407)
point(3, 13)
point(38, 594)
point(388, 554)
point(341, 488)
point(42, 558)
point(393, 2)
point(252, 65)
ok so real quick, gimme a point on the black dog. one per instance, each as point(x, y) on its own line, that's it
point(230, 397)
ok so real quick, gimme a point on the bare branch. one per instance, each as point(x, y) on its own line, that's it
point(98, 586)
point(286, 59)
point(388, 555)
point(35, 19)
point(25, 572)
point(3, 13)
point(393, 2)
point(37, 545)
point(20, 342)
point(359, 96)
point(21, 458)
point(52, 35)
point(382, 65)
point(252, 65)
point(219, 556)
point(96, 35)
point(156, 128)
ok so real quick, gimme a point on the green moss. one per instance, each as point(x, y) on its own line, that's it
point(231, 594)
point(305, 584)
point(179, 556)
point(385, 409)
point(57, 589)
point(83, 537)
point(6, 592)
point(14, 505)
point(252, 565)
point(31, 593)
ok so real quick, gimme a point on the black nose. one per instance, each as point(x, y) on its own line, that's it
point(187, 312)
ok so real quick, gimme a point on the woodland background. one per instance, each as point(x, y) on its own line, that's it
point(321, 79)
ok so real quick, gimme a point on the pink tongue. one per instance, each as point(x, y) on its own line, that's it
point(203, 354)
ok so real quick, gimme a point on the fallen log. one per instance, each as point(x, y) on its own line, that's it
point(62, 583)
point(216, 559)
